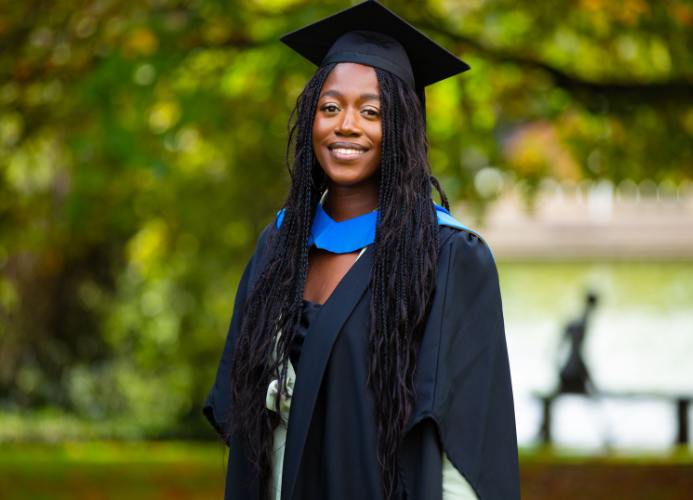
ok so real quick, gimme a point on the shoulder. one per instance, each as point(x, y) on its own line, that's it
point(262, 251)
point(467, 279)
point(265, 238)
point(460, 245)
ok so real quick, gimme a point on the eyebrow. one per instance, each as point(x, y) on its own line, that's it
point(374, 97)
point(336, 93)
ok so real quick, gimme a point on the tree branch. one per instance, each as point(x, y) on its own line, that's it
point(597, 96)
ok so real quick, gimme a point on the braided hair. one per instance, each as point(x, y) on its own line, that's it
point(402, 281)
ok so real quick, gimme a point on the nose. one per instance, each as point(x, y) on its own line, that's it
point(348, 125)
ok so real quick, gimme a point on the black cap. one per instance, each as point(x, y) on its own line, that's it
point(372, 35)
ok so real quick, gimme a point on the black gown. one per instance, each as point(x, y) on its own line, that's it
point(464, 394)
point(308, 312)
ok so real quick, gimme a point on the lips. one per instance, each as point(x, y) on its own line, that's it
point(346, 151)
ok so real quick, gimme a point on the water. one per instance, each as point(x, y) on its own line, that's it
point(640, 339)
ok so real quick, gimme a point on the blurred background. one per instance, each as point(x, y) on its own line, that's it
point(142, 149)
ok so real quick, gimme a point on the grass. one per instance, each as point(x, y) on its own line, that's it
point(112, 470)
point(183, 470)
point(562, 474)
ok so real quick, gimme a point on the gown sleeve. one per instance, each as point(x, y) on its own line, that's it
point(219, 400)
point(473, 401)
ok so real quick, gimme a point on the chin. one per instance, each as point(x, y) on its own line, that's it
point(345, 178)
point(348, 175)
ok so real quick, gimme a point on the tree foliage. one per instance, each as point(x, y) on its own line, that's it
point(142, 148)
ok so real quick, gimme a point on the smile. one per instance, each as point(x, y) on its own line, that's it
point(346, 152)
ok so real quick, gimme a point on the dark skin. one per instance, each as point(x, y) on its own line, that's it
point(347, 140)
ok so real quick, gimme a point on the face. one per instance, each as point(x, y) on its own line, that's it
point(348, 127)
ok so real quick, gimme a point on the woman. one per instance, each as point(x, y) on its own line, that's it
point(376, 313)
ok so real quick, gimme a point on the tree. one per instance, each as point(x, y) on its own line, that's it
point(142, 149)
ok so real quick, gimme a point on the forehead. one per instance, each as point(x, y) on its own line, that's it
point(352, 78)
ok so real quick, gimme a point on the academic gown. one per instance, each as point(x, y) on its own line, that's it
point(464, 395)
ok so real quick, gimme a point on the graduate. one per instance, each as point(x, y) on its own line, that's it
point(366, 357)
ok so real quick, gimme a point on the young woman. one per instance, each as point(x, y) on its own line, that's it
point(366, 357)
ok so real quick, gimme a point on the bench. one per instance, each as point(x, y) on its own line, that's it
point(682, 403)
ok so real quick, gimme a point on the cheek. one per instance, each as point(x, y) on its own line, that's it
point(377, 135)
point(318, 130)
point(377, 138)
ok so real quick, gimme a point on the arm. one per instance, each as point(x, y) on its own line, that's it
point(473, 397)
point(219, 400)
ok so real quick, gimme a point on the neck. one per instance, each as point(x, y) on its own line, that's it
point(346, 202)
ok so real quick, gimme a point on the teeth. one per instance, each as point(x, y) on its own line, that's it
point(347, 151)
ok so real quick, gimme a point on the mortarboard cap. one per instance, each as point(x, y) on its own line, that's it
point(372, 35)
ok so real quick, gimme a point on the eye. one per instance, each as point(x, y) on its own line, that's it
point(371, 112)
point(330, 108)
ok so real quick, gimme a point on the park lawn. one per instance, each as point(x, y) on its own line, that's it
point(112, 470)
point(180, 470)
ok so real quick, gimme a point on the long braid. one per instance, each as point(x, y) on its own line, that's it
point(404, 265)
point(283, 278)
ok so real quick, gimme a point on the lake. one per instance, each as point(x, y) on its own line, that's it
point(640, 339)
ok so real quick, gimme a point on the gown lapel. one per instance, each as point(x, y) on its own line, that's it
point(315, 353)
